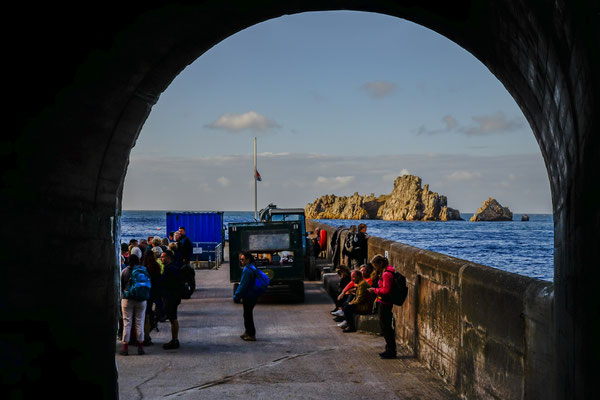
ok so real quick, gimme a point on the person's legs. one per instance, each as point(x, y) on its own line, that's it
point(175, 330)
point(171, 311)
point(349, 316)
point(127, 310)
point(386, 324)
point(249, 304)
point(148, 323)
point(140, 316)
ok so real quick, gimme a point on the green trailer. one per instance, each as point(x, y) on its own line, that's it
point(279, 245)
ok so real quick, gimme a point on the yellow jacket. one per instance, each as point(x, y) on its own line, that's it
point(363, 299)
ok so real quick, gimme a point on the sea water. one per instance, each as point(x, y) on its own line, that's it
point(525, 248)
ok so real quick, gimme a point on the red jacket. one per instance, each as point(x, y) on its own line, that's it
point(385, 284)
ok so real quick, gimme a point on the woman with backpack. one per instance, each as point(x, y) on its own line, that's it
point(244, 292)
point(383, 290)
point(135, 290)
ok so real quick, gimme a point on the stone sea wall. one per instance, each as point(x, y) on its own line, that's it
point(487, 332)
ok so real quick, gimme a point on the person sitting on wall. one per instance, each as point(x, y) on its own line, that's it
point(367, 273)
point(344, 274)
point(349, 292)
point(361, 304)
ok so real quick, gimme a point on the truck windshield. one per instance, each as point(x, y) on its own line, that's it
point(287, 217)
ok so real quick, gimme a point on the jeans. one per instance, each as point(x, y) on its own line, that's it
point(249, 304)
point(386, 323)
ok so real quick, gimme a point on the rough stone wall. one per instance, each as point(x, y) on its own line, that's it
point(485, 331)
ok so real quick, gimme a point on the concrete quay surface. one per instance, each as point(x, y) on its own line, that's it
point(300, 353)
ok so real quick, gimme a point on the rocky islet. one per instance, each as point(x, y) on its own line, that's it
point(408, 201)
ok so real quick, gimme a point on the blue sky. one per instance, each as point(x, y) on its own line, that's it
point(340, 102)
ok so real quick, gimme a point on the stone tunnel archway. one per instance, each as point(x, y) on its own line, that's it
point(84, 87)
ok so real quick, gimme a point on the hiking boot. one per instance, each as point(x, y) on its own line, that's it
point(141, 351)
point(173, 344)
point(249, 338)
point(124, 351)
point(388, 355)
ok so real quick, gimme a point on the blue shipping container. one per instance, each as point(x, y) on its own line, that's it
point(204, 229)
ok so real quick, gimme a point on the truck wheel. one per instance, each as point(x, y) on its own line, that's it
point(235, 286)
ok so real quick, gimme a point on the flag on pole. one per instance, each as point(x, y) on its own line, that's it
point(257, 175)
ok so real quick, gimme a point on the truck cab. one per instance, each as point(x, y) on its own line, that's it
point(278, 243)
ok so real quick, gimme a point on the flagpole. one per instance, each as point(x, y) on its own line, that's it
point(255, 181)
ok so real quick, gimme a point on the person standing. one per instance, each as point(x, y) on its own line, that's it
point(186, 246)
point(359, 255)
point(133, 310)
point(383, 291)
point(244, 293)
point(175, 248)
point(152, 316)
point(349, 246)
point(171, 296)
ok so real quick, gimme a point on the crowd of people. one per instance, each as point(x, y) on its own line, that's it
point(364, 288)
point(153, 264)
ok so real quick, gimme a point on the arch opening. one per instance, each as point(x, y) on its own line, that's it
point(67, 165)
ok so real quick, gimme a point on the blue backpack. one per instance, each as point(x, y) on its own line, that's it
point(261, 282)
point(139, 285)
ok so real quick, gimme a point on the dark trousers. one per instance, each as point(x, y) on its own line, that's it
point(386, 323)
point(349, 311)
point(249, 304)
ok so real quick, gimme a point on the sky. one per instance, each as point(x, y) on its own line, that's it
point(340, 102)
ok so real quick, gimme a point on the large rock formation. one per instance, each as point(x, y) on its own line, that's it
point(491, 210)
point(407, 202)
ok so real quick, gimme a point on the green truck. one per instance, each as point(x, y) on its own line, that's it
point(278, 242)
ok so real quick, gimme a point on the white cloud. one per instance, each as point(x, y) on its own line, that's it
point(223, 181)
point(295, 180)
point(458, 176)
point(484, 124)
point(392, 177)
point(246, 121)
point(379, 89)
point(337, 182)
point(495, 123)
point(449, 121)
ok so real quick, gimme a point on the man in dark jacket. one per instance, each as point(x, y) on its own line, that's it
point(186, 246)
point(170, 284)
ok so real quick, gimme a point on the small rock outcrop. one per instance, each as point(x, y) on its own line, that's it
point(524, 217)
point(407, 202)
point(491, 210)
